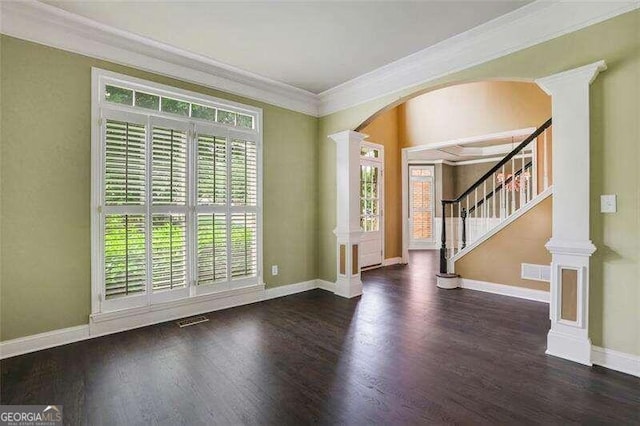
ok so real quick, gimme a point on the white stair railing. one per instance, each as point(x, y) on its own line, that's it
point(500, 193)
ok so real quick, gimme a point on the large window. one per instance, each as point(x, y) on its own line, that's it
point(176, 194)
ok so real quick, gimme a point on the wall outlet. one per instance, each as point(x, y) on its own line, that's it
point(608, 204)
point(274, 269)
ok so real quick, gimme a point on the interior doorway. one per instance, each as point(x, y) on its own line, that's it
point(372, 204)
point(421, 206)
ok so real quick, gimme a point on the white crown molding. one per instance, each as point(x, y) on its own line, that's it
point(48, 25)
point(527, 26)
point(534, 23)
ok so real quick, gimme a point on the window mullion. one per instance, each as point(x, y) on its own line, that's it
point(192, 243)
point(228, 221)
point(148, 218)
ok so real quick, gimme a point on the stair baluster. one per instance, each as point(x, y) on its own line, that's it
point(485, 210)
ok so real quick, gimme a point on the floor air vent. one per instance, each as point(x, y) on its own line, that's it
point(192, 321)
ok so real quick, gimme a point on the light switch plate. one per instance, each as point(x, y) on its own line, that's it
point(274, 269)
point(608, 203)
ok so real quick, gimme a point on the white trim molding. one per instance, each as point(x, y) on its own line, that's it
point(570, 244)
point(527, 26)
point(348, 231)
point(518, 214)
point(505, 290)
point(40, 341)
point(104, 324)
point(616, 360)
point(608, 358)
point(51, 26)
point(392, 261)
point(286, 290)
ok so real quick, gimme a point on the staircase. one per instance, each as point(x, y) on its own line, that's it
point(512, 187)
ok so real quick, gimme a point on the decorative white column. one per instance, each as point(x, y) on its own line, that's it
point(348, 283)
point(570, 244)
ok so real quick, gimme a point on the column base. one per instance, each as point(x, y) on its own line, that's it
point(572, 348)
point(348, 287)
point(448, 281)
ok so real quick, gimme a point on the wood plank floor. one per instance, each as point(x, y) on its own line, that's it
point(404, 353)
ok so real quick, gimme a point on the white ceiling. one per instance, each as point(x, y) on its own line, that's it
point(470, 151)
point(313, 46)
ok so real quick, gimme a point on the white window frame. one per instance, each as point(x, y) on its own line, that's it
point(100, 110)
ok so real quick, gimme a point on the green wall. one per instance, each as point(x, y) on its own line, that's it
point(45, 175)
point(615, 140)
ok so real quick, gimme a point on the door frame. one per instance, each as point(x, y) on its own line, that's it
point(433, 244)
point(405, 176)
point(380, 162)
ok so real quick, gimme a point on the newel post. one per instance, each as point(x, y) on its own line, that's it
point(348, 232)
point(570, 244)
point(443, 242)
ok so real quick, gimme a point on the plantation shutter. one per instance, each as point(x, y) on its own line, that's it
point(169, 177)
point(212, 248)
point(175, 195)
point(124, 198)
point(169, 205)
point(211, 207)
point(125, 158)
point(244, 201)
point(243, 245)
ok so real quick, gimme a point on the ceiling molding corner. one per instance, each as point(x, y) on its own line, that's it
point(527, 26)
point(532, 24)
point(50, 26)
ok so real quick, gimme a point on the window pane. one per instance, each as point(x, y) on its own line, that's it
point(175, 106)
point(169, 258)
point(124, 255)
point(145, 100)
point(203, 112)
point(245, 121)
point(212, 248)
point(212, 170)
point(118, 95)
point(169, 177)
point(124, 163)
point(244, 173)
point(226, 117)
point(243, 245)
point(365, 151)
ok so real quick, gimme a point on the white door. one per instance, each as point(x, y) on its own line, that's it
point(421, 213)
point(371, 204)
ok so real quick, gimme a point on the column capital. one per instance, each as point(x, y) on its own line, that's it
point(348, 136)
point(586, 74)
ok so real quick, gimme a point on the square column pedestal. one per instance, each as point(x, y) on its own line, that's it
point(348, 232)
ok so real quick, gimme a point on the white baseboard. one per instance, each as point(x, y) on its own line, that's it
point(326, 285)
point(392, 261)
point(115, 322)
point(608, 358)
point(49, 339)
point(285, 290)
point(110, 323)
point(615, 360)
point(505, 290)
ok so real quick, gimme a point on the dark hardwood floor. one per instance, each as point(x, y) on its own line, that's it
point(404, 353)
